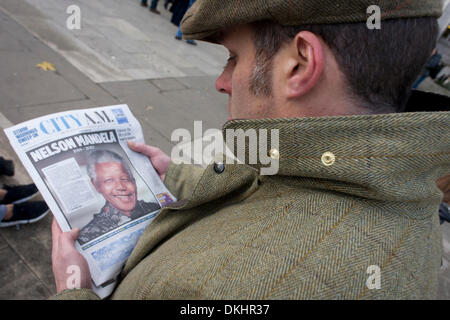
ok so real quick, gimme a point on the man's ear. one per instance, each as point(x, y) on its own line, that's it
point(305, 64)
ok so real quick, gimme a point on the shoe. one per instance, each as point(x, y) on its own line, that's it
point(19, 194)
point(192, 42)
point(155, 11)
point(166, 4)
point(144, 3)
point(24, 213)
point(6, 167)
point(178, 37)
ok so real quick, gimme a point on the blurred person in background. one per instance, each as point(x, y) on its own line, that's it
point(153, 5)
point(179, 34)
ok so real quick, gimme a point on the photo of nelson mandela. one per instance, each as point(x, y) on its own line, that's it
point(112, 178)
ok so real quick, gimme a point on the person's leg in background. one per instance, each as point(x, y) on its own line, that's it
point(2, 211)
point(179, 34)
point(166, 4)
point(153, 6)
point(419, 81)
point(14, 208)
point(6, 167)
point(144, 3)
point(22, 213)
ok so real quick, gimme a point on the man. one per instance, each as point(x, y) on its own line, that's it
point(355, 192)
point(179, 34)
point(112, 178)
point(153, 6)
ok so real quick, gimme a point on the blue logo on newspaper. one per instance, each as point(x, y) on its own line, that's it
point(116, 252)
point(120, 116)
point(24, 134)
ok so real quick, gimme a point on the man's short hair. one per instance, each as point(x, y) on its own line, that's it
point(104, 156)
point(380, 66)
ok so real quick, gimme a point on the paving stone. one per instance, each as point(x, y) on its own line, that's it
point(168, 84)
point(120, 23)
point(21, 8)
point(429, 85)
point(120, 28)
point(72, 75)
point(50, 32)
point(17, 280)
point(158, 66)
point(193, 71)
point(3, 245)
point(444, 289)
point(64, 42)
point(9, 43)
point(136, 46)
point(154, 138)
point(102, 45)
point(206, 105)
point(33, 244)
point(199, 82)
point(149, 105)
point(23, 84)
point(22, 114)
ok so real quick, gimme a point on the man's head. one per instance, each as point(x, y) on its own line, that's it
point(287, 68)
point(112, 177)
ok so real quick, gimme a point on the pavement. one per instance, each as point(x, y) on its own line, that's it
point(122, 54)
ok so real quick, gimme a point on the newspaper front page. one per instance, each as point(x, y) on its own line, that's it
point(91, 180)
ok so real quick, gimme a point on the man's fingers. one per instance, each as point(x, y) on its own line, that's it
point(158, 158)
point(56, 229)
point(74, 234)
point(144, 149)
point(69, 237)
point(56, 232)
point(58, 235)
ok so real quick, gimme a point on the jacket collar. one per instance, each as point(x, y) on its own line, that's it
point(386, 156)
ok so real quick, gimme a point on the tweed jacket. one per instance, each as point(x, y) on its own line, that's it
point(312, 231)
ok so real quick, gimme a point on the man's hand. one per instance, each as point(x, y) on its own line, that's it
point(70, 268)
point(444, 184)
point(159, 159)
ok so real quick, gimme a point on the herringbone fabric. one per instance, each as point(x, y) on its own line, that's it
point(207, 17)
point(310, 232)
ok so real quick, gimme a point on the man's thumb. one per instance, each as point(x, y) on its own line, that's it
point(73, 234)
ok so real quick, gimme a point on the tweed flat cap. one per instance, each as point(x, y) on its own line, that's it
point(207, 17)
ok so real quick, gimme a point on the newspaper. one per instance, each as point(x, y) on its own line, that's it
point(91, 180)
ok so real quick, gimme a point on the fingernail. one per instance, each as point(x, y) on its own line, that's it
point(131, 143)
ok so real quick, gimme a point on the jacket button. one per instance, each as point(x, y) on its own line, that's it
point(328, 159)
point(219, 167)
point(274, 154)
